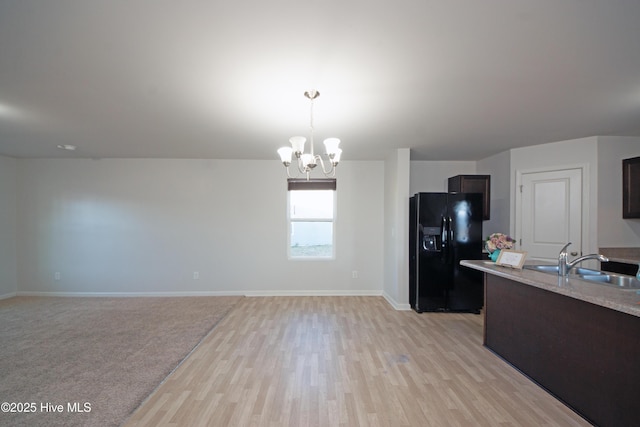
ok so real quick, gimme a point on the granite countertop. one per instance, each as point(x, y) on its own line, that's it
point(623, 300)
point(624, 255)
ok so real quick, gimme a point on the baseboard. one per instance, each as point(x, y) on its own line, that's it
point(331, 293)
point(9, 295)
point(273, 293)
point(395, 304)
point(204, 293)
point(131, 294)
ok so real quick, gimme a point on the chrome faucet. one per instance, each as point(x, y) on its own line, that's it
point(564, 266)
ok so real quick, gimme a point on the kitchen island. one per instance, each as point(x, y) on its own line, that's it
point(579, 340)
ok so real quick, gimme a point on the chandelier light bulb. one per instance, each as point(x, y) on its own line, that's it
point(285, 155)
point(331, 145)
point(308, 161)
point(335, 156)
point(297, 143)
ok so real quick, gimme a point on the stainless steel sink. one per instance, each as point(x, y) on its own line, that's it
point(619, 281)
point(616, 280)
point(553, 269)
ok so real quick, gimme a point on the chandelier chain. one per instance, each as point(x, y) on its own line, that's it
point(311, 126)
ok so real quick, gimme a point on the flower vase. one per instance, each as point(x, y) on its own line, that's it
point(494, 255)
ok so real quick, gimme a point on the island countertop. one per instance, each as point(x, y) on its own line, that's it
point(623, 255)
point(623, 300)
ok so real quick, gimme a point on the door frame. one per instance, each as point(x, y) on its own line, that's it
point(588, 241)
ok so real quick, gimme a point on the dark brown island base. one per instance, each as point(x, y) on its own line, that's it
point(578, 340)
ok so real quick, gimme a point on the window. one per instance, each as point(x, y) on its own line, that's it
point(311, 220)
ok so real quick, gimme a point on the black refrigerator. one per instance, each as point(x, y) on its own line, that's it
point(445, 228)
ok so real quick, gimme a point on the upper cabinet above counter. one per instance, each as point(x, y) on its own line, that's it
point(474, 184)
point(631, 188)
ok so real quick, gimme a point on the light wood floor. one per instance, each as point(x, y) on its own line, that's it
point(347, 361)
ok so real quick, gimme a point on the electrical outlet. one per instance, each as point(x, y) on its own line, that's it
point(196, 275)
point(56, 275)
point(354, 274)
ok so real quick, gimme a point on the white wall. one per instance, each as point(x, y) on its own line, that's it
point(576, 152)
point(8, 237)
point(145, 225)
point(396, 229)
point(432, 176)
point(613, 230)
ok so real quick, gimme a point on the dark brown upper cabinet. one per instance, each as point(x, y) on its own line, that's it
point(474, 184)
point(631, 188)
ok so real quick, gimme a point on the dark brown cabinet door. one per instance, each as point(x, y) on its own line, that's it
point(631, 188)
point(474, 184)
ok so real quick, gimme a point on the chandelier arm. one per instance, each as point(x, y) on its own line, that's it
point(331, 170)
point(302, 169)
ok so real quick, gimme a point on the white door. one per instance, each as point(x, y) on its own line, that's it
point(549, 213)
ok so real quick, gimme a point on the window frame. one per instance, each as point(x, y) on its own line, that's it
point(313, 185)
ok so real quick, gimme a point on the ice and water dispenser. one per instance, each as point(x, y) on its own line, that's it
point(431, 239)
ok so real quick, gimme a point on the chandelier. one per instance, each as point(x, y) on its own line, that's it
point(307, 162)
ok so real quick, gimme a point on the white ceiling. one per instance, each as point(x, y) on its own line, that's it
point(452, 80)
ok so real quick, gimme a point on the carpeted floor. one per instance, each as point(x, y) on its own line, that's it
point(92, 361)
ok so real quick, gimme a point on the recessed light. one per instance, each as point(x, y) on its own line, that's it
point(67, 147)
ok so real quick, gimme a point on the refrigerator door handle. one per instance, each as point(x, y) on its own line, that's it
point(450, 242)
point(445, 239)
point(443, 235)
